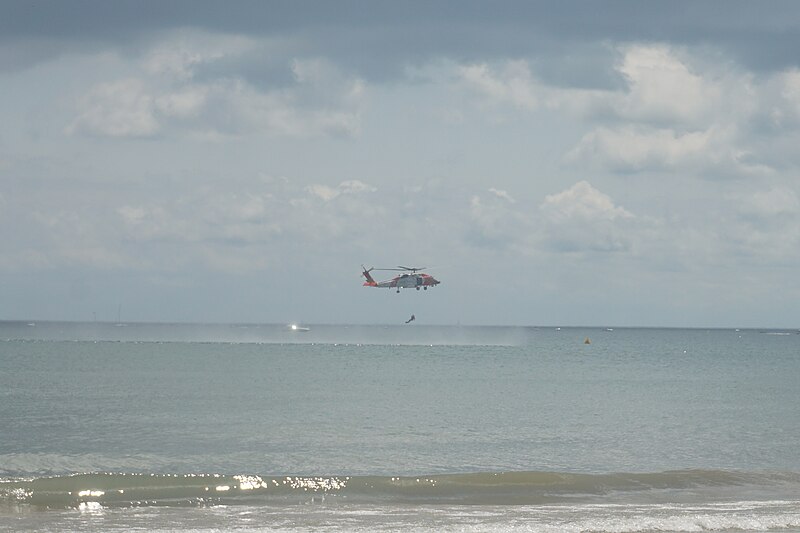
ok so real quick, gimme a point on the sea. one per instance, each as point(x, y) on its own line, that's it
point(265, 427)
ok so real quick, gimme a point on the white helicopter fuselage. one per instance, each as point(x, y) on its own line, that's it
point(407, 281)
point(403, 281)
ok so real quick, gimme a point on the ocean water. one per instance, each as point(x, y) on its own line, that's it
point(177, 427)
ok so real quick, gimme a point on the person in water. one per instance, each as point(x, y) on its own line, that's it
point(410, 319)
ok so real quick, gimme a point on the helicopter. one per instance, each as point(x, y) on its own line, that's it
point(412, 277)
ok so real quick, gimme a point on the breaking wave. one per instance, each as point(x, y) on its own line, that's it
point(491, 488)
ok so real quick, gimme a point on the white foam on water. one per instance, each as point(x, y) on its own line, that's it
point(783, 516)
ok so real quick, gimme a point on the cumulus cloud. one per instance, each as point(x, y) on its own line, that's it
point(512, 83)
point(632, 149)
point(327, 193)
point(582, 218)
point(675, 113)
point(494, 223)
point(502, 194)
point(773, 202)
point(241, 231)
point(765, 226)
point(123, 108)
point(165, 93)
point(205, 215)
point(663, 89)
point(674, 110)
point(582, 202)
point(180, 54)
point(578, 219)
point(660, 87)
point(780, 101)
point(215, 229)
point(708, 154)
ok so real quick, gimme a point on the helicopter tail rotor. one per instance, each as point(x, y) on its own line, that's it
point(366, 274)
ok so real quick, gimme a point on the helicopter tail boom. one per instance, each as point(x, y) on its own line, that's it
point(370, 282)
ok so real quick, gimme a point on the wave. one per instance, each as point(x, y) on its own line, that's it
point(488, 488)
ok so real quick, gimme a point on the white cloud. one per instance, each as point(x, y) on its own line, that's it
point(240, 231)
point(502, 194)
point(185, 103)
point(773, 202)
point(780, 99)
point(179, 53)
point(74, 237)
point(663, 89)
point(582, 218)
point(676, 111)
point(163, 94)
point(123, 108)
point(708, 154)
point(154, 222)
point(578, 219)
point(512, 84)
point(327, 193)
point(323, 191)
point(632, 149)
point(765, 227)
point(494, 223)
point(582, 202)
point(355, 187)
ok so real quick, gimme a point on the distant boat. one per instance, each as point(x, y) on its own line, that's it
point(295, 327)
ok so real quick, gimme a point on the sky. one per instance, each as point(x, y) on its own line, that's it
point(570, 163)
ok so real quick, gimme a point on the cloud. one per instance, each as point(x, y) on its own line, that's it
point(72, 238)
point(513, 84)
point(662, 89)
point(677, 108)
point(659, 88)
point(374, 37)
point(327, 193)
point(323, 191)
point(502, 194)
point(122, 108)
point(495, 224)
point(164, 95)
point(770, 203)
point(764, 228)
point(181, 54)
point(245, 230)
point(634, 149)
point(182, 104)
point(779, 102)
point(716, 153)
point(582, 218)
point(582, 202)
